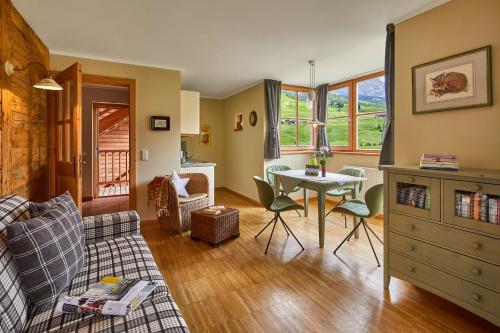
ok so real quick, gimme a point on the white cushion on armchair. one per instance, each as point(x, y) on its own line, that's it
point(180, 184)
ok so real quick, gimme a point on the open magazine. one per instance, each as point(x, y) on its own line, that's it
point(114, 296)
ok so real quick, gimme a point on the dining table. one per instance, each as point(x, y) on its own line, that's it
point(285, 181)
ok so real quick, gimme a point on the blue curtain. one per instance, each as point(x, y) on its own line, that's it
point(387, 152)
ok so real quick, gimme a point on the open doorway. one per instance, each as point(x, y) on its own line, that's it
point(111, 167)
point(108, 169)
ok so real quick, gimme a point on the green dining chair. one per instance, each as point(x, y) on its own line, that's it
point(277, 205)
point(271, 177)
point(372, 206)
point(343, 191)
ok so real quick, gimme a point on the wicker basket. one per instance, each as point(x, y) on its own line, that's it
point(215, 228)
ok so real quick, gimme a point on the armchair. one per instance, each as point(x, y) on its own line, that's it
point(178, 210)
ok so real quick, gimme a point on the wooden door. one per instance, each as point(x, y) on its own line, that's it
point(67, 128)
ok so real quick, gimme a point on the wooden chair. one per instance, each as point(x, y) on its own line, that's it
point(179, 208)
point(276, 205)
point(373, 206)
point(342, 192)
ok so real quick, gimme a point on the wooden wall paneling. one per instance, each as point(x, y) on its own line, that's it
point(23, 123)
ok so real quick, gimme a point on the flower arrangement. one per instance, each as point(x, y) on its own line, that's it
point(324, 153)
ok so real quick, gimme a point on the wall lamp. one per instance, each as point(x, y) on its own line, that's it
point(47, 83)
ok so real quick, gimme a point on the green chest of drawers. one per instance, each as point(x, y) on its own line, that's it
point(442, 233)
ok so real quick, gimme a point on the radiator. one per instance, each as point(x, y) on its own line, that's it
point(374, 177)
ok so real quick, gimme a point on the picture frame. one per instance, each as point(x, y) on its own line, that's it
point(238, 122)
point(459, 81)
point(205, 135)
point(160, 123)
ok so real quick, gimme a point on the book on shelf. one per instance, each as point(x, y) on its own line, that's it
point(113, 296)
point(478, 206)
point(413, 195)
point(439, 162)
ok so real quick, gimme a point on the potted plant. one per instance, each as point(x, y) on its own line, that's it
point(324, 153)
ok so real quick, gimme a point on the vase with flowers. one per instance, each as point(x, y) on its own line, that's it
point(324, 153)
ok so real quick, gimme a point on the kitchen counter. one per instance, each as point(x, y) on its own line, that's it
point(197, 164)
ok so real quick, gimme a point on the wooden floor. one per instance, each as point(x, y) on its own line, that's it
point(236, 288)
point(105, 205)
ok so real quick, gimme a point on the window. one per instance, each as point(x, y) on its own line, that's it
point(296, 111)
point(356, 114)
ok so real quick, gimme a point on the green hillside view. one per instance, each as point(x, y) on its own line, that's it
point(370, 127)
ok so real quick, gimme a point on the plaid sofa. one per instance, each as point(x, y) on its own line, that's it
point(113, 247)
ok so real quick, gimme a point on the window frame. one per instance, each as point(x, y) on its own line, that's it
point(298, 148)
point(353, 114)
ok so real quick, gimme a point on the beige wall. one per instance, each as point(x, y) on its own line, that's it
point(157, 93)
point(244, 150)
point(212, 114)
point(472, 134)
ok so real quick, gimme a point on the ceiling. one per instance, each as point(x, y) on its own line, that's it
point(224, 46)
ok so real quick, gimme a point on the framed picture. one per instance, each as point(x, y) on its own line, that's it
point(238, 122)
point(457, 82)
point(205, 135)
point(160, 123)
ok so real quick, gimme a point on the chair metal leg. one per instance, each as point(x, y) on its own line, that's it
point(374, 234)
point(348, 236)
point(286, 226)
point(298, 213)
point(272, 232)
point(345, 220)
point(338, 204)
point(369, 239)
point(287, 233)
point(267, 225)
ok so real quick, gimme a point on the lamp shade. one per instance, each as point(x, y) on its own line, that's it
point(47, 84)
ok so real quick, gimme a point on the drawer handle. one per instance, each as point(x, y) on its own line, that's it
point(476, 297)
point(411, 269)
point(476, 271)
point(476, 245)
point(477, 187)
point(411, 226)
point(411, 247)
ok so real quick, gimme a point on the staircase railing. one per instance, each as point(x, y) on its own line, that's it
point(114, 167)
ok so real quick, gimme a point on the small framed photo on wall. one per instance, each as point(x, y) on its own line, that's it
point(160, 123)
point(205, 135)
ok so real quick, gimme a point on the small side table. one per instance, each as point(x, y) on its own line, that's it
point(215, 228)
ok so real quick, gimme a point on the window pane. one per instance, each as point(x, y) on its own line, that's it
point(338, 132)
point(287, 132)
point(305, 106)
point(371, 95)
point(288, 104)
point(305, 133)
point(370, 129)
point(338, 102)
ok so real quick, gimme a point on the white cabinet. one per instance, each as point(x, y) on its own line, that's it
point(190, 112)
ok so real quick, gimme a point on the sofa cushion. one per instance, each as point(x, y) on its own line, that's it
point(13, 298)
point(193, 197)
point(125, 256)
point(48, 250)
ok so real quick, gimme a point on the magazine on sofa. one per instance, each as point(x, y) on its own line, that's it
point(114, 296)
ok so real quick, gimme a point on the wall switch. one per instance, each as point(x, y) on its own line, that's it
point(144, 155)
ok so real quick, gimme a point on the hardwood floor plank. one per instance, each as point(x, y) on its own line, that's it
point(236, 288)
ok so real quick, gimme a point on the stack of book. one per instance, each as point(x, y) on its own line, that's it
point(214, 210)
point(414, 195)
point(439, 162)
point(478, 206)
